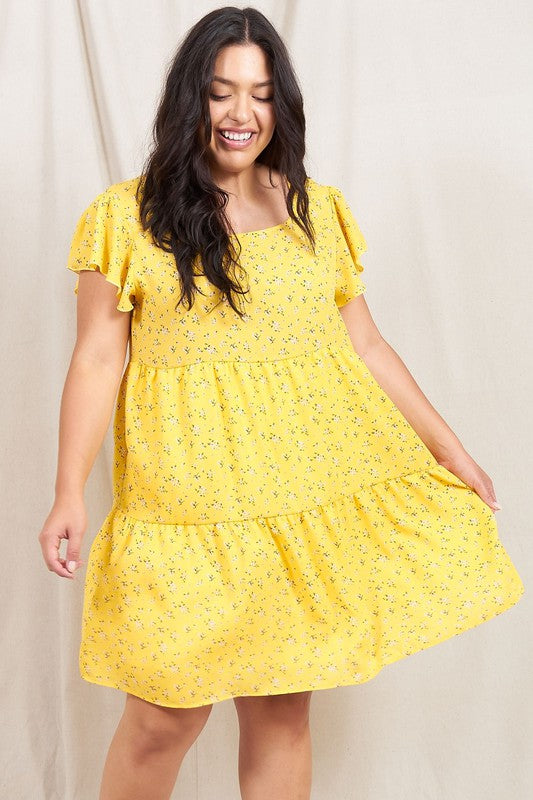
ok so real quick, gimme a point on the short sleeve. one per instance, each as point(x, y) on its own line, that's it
point(350, 243)
point(102, 242)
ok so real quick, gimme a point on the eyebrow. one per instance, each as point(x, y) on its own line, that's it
point(232, 83)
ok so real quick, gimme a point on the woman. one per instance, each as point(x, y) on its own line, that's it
point(289, 512)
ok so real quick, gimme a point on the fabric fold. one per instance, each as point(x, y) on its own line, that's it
point(313, 415)
point(353, 586)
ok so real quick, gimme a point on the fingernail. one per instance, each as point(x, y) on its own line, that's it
point(497, 506)
point(71, 566)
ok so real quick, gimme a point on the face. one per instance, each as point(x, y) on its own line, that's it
point(239, 104)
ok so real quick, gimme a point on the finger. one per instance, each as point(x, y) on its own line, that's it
point(484, 488)
point(57, 565)
point(61, 570)
point(65, 564)
point(53, 561)
point(491, 497)
point(73, 560)
point(490, 502)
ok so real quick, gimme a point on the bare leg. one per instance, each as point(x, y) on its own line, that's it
point(275, 747)
point(147, 749)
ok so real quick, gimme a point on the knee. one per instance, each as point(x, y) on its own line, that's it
point(154, 728)
point(288, 712)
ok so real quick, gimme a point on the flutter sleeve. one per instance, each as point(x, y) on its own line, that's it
point(102, 242)
point(350, 243)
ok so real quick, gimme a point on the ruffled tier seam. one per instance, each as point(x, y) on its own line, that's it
point(340, 499)
point(336, 344)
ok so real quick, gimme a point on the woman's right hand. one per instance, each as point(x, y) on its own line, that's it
point(67, 520)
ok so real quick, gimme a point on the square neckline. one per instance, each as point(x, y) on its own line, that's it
point(264, 230)
point(283, 224)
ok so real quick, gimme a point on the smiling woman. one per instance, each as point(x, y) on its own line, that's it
point(289, 511)
point(237, 165)
point(243, 122)
point(233, 113)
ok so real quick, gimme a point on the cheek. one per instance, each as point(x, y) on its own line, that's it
point(267, 118)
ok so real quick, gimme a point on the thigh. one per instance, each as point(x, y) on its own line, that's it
point(160, 720)
point(292, 706)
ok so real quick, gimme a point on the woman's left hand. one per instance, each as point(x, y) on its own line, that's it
point(464, 466)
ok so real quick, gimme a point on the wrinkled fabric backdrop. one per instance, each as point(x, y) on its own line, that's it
point(421, 112)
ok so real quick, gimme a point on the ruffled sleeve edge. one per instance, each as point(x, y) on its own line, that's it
point(354, 238)
point(94, 216)
point(123, 304)
point(350, 244)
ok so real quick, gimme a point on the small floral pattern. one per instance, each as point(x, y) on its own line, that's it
point(277, 525)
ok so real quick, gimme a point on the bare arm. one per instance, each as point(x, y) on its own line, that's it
point(87, 404)
point(397, 382)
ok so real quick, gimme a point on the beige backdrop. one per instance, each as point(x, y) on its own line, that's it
point(421, 111)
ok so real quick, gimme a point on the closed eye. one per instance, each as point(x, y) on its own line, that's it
point(225, 96)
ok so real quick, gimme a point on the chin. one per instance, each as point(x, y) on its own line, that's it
point(229, 160)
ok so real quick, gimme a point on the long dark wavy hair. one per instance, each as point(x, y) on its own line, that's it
point(178, 200)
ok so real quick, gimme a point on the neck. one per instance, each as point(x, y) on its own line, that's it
point(243, 184)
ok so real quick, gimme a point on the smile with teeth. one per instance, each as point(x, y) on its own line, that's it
point(239, 137)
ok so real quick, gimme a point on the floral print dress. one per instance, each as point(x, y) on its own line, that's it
point(277, 525)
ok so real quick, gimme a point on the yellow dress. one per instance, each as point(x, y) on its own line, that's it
point(277, 525)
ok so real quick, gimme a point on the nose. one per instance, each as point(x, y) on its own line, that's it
point(240, 110)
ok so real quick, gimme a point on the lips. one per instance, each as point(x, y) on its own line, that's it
point(236, 130)
point(235, 144)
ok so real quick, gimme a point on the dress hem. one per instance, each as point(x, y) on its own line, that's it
point(512, 600)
